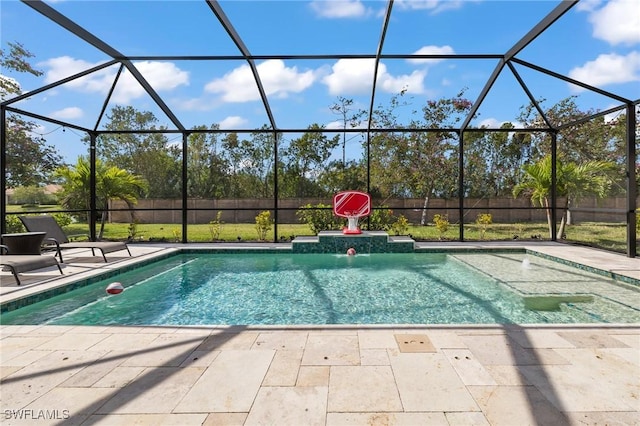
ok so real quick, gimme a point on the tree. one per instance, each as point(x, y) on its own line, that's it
point(111, 183)
point(337, 176)
point(16, 59)
point(342, 108)
point(600, 138)
point(573, 181)
point(30, 161)
point(419, 164)
point(257, 164)
point(588, 140)
point(32, 195)
point(149, 155)
point(388, 151)
point(502, 154)
point(477, 166)
point(233, 157)
point(305, 158)
point(207, 169)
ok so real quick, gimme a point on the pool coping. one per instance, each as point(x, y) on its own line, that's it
point(61, 285)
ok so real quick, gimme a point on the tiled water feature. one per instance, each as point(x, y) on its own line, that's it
point(367, 242)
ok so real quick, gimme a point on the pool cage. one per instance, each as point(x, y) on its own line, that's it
point(452, 193)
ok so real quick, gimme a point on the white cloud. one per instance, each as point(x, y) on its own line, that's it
point(493, 123)
point(355, 76)
point(163, 76)
point(435, 6)
point(617, 22)
point(411, 83)
point(339, 9)
point(280, 80)
point(233, 122)
point(65, 66)
point(67, 113)
point(193, 104)
point(588, 5)
point(608, 69)
point(490, 122)
point(431, 50)
point(351, 76)
point(334, 125)
point(277, 80)
point(235, 86)
point(339, 125)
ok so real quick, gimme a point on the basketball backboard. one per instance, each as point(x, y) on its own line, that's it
point(351, 203)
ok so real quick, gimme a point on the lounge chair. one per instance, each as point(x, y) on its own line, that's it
point(26, 262)
point(56, 236)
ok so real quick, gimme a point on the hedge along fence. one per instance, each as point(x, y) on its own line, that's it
point(503, 210)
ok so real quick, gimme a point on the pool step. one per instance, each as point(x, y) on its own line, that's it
point(552, 302)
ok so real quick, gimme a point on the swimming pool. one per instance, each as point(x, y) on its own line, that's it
point(416, 288)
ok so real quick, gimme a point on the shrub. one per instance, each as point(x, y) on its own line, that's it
point(215, 226)
point(442, 224)
point(380, 219)
point(31, 196)
point(263, 224)
point(63, 219)
point(484, 220)
point(13, 224)
point(319, 217)
point(132, 230)
point(400, 226)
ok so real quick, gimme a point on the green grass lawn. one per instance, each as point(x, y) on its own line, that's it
point(12, 208)
point(607, 236)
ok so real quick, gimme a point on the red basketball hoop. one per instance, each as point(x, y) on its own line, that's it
point(353, 205)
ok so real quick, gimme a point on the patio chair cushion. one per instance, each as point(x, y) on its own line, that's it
point(27, 262)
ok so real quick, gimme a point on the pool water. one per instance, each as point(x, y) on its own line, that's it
point(258, 289)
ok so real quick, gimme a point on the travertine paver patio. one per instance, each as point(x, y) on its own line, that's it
point(320, 376)
point(335, 375)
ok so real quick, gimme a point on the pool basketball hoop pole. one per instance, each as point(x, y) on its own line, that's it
point(353, 205)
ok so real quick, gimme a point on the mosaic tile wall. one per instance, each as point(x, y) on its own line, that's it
point(367, 242)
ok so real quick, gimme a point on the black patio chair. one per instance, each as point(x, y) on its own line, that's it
point(25, 262)
point(56, 237)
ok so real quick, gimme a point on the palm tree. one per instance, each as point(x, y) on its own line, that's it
point(111, 183)
point(573, 181)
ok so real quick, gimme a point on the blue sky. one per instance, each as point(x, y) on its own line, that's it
point(596, 42)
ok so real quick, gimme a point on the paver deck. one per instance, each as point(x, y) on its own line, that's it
point(324, 375)
point(498, 375)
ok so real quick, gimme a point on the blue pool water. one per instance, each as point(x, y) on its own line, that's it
point(251, 289)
